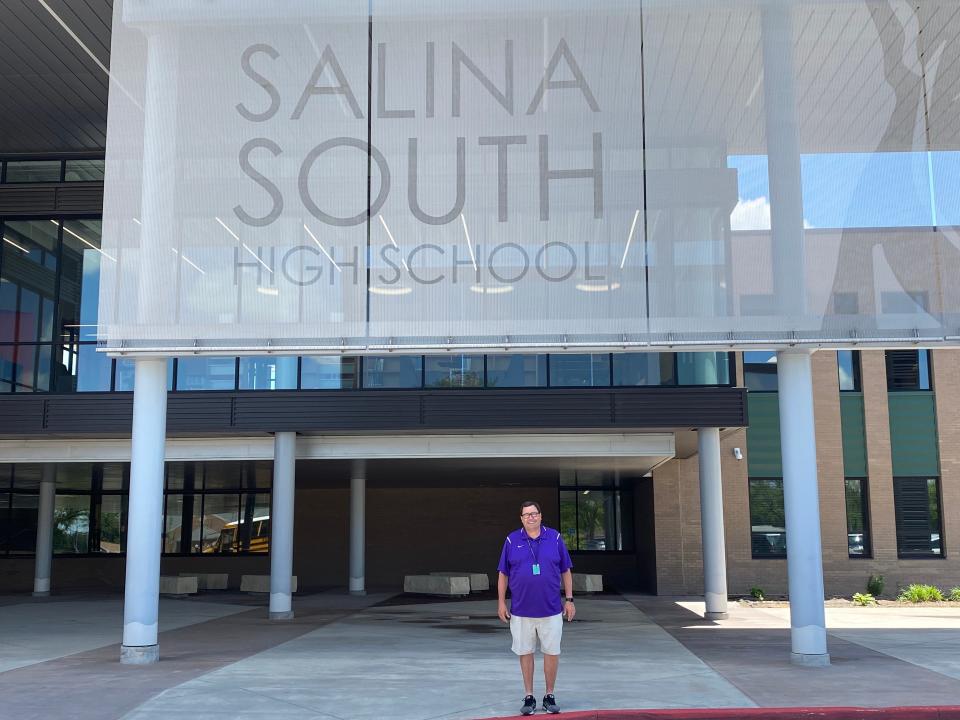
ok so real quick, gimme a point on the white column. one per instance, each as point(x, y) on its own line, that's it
point(358, 538)
point(145, 524)
point(783, 158)
point(44, 555)
point(711, 524)
point(808, 635)
point(281, 525)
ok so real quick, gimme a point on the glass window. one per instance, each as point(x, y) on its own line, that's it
point(328, 372)
point(858, 517)
point(268, 373)
point(594, 517)
point(23, 523)
point(506, 371)
point(908, 369)
point(848, 367)
point(254, 529)
point(760, 371)
point(30, 369)
point(26, 476)
point(221, 475)
point(175, 472)
point(114, 476)
point(28, 258)
point(703, 368)
point(579, 370)
point(768, 533)
point(454, 371)
point(392, 371)
point(257, 474)
point(916, 504)
point(33, 171)
point(113, 523)
point(636, 369)
point(6, 368)
point(123, 380)
point(220, 523)
point(6, 475)
point(71, 524)
point(74, 476)
point(84, 171)
point(206, 373)
point(81, 260)
point(173, 524)
point(4, 521)
point(81, 368)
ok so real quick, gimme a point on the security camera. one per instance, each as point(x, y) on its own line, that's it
point(738, 453)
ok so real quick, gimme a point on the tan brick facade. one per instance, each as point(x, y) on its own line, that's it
point(677, 499)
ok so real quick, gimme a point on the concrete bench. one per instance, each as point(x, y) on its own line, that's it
point(261, 583)
point(582, 582)
point(478, 581)
point(436, 584)
point(176, 585)
point(209, 581)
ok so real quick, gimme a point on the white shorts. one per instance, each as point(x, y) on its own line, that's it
point(526, 631)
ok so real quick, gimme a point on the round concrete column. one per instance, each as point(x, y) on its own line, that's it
point(281, 526)
point(801, 502)
point(358, 509)
point(44, 555)
point(145, 517)
point(711, 524)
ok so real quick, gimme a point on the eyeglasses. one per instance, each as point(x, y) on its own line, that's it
point(530, 514)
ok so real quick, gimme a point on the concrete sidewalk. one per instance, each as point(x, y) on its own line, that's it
point(377, 657)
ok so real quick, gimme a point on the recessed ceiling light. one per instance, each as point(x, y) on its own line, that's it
point(376, 290)
point(495, 290)
point(585, 287)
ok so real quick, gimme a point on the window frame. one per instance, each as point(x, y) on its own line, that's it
point(905, 555)
point(867, 553)
point(769, 556)
point(624, 494)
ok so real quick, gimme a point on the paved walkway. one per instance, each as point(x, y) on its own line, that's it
point(374, 657)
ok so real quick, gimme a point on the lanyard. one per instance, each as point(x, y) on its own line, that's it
point(536, 560)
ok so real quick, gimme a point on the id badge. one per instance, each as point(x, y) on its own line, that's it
point(536, 568)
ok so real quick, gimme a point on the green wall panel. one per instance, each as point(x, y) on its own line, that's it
point(854, 434)
point(763, 435)
point(913, 434)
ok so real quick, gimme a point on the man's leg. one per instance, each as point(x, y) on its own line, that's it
point(550, 665)
point(526, 667)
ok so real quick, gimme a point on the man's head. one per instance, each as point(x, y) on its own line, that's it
point(530, 516)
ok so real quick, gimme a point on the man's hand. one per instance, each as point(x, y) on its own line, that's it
point(502, 612)
point(569, 610)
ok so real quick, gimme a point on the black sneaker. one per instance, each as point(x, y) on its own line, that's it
point(550, 704)
point(529, 705)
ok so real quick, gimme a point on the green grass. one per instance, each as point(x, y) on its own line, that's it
point(864, 599)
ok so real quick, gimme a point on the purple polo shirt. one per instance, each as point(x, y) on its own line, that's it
point(535, 595)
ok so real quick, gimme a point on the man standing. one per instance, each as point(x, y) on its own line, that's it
point(534, 561)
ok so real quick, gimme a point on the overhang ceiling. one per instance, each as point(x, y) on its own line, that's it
point(858, 75)
point(53, 94)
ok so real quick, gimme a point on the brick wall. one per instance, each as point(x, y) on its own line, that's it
point(677, 500)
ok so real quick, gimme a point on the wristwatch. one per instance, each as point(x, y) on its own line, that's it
point(568, 600)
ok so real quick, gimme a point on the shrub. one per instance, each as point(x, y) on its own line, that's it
point(921, 593)
point(875, 585)
point(864, 599)
point(954, 594)
point(756, 593)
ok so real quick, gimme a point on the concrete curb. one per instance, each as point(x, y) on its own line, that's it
point(810, 713)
